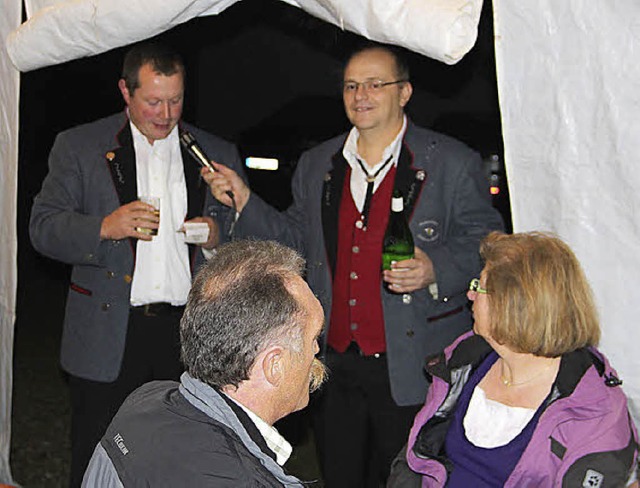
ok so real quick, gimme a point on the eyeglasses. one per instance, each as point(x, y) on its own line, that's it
point(369, 85)
point(474, 286)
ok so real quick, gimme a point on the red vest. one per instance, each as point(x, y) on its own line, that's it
point(356, 309)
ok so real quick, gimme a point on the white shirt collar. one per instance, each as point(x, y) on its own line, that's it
point(358, 182)
point(278, 444)
point(350, 149)
point(158, 144)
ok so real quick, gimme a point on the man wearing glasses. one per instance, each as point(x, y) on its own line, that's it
point(377, 336)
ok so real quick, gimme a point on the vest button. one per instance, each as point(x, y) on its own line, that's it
point(353, 275)
point(410, 333)
point(354, 326)
point(355, 249)
point(406, 299)
point(359, 224)
point(352, 302)
point(105, 306)
point(110, 274)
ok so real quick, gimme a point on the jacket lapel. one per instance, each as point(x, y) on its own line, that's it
point(196, 193)
point(122, 165)
point(409, 179)
point(196, 189)
point(121, 161)
point(331, 197)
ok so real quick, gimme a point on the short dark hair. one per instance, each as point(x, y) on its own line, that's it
point(238, 305)
point(402, 66)
point(162, 58)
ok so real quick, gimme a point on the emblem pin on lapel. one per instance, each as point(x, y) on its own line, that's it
point(421, 175)
point(110, 155)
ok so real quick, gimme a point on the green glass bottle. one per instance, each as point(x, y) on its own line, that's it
point(398, 241)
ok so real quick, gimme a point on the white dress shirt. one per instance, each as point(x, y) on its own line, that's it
point(162, 271)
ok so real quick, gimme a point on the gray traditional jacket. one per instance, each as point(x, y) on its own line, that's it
point(448, 204)
point(92, 172)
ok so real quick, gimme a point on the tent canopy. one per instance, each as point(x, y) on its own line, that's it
point(61, 31)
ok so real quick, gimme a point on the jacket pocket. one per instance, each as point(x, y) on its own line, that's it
point(77, 288)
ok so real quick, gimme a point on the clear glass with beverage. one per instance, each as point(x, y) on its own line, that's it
point(155, 203)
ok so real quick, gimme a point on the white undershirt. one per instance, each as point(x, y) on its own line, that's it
point(490, 424)
point(358, 177)
point(162, 271)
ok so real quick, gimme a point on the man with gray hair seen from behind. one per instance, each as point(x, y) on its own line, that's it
point(249, 339)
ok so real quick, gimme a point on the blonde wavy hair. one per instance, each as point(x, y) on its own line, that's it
point(539, 299)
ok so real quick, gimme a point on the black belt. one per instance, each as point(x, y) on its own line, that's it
point(354, 348)
point(158, 309)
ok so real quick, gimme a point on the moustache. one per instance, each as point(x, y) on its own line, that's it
point(317, 375)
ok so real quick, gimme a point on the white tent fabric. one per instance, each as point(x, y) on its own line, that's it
point(441, 29)
point(9, 92)
point(568, 84)
point(571, 121)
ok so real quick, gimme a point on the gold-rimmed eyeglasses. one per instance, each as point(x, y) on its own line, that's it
point(474, 286)
point(369, 85)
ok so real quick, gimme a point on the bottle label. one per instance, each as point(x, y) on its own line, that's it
point(397, 205)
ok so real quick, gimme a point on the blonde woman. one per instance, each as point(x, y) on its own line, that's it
point(525, 400)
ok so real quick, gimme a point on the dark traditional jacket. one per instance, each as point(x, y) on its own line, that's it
point(168, 435)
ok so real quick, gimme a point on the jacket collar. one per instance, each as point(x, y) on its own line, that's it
point(470, 352)
point(208, 400)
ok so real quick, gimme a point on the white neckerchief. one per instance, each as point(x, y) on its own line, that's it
point(162, 271)
point(358, 183)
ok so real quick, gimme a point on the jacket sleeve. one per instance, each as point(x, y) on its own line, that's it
point(262, 221)
point(60, 226)
point(603, 468)
point(101, 473)
point(226, 153)
point(470, 218)
point(402, 476)
point(605, 449)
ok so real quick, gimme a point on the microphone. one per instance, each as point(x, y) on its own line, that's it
point(191, 145)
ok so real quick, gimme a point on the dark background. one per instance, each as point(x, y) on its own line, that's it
point(262, 74)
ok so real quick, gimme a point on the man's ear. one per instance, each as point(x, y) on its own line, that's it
point(274, 365)
point(124, 90)
point(405, 93)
